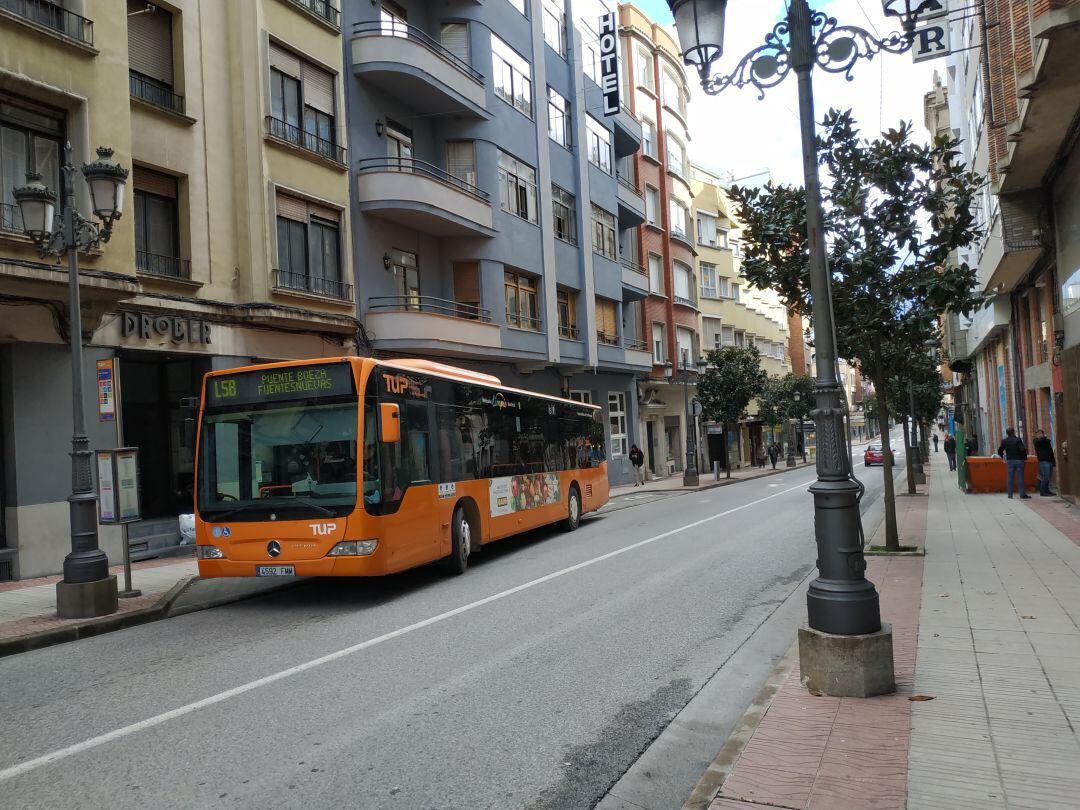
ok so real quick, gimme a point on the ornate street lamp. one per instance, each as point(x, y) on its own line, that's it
point(87, 588)
point(690, 469)
point(841, 601)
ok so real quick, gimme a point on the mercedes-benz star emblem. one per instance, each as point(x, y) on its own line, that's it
point(273, 548)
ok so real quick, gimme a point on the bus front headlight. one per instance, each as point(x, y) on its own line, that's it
point(209, 553)
point(353, 548)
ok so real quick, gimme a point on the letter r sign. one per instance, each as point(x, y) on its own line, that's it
point(931, 41)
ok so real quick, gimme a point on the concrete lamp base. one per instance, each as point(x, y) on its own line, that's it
point(847, 666)
point(85, 600)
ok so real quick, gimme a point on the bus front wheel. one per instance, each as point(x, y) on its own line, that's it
point(460, 542)
point(573, 509)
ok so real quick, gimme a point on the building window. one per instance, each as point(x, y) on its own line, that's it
point(645, 69)
point(735, 292)
point(513, 76)
point(566, 305)
point(555, 26)
point(607, 322)
point(520, 291)
point(652, 205)
point(603, 232)
point(29, 142)
point(708, 281)
point(706, 229)
point(564, 214)
point(406, 269)
point(648, 138)
point(559, 126)
point(519, 5)
point(678, 215)
point(599, 143)
point(684, 286)
point(517, 187)
point(656, 274)
point(740, 339)
point(659, 344)
point(684, 339)
point(454, 36)
point(736, 249)
point(727, 335)
point(582, 396)
point(723, 288)
point(461, 162)
point(150, 56)
point(309, 248)
point(676, 155)
point(671, 92)
point(157, 228)
point(711, 332)
point(590, 56)
point(617, 422)
point(393, 18)
point(302, 104)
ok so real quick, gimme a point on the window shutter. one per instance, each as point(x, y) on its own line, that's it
point(467, 283)
point(318, 88)
point(285, 61)
point(461, 161)
point(150, 42)
point(455, 38)
point(605, 317)
point(291, 208)
point(154, 182)
point(322, 212)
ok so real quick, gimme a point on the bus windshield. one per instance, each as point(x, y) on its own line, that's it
point(297, 459)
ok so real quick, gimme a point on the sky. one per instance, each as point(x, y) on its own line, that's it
point(736, 132)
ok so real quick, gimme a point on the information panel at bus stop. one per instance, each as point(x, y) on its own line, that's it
point(118, 485)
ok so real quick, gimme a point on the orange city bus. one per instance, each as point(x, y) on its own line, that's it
point(359, 467)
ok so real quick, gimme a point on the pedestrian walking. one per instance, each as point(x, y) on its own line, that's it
point(935, 442)
point(1044, 452)
point(950, 450)
point(761, 456)
point(637, 458)
point(1014, 451)
point(774, 453)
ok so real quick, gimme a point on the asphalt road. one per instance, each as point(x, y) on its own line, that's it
point(534, 681)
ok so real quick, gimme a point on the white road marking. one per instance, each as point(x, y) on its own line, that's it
point(220, 697)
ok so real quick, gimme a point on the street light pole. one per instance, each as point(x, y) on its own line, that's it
point(87, 588)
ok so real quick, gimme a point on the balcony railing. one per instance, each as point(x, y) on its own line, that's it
point(428, 303)
point(568, 332)
point(331, 288)
point(637, 344)
point(285, 131)
point(166, 266)
point(322, 8)
point(607, 338)
point(686, 302)
point(411, 32)
point(10, 216)
point(414, 166)
point(54, 17)
point(523, 322)
point(153, 92)
point(637, 268)
point(626, 183)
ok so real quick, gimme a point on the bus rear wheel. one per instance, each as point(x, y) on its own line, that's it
point(573, 509)
point(460, 542)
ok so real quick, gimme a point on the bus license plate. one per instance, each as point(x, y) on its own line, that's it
point(275, 571)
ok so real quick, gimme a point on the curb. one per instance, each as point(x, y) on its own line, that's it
point(711, 782)
point(162, 609)
point(723, 482)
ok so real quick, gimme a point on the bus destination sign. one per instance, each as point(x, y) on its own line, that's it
point(276, 384)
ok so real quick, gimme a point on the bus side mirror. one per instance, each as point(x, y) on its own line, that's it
point(389, 422)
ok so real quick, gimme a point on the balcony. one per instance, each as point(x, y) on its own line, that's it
point(313, 285)
point(287, 133)
point(416, 69)
point(154, 264)
point(51, 17)
point(1016, 241)
point(10, 218)
point(635, 280)
point(606, 338)
point(423, 322)
point(569, 332)
point(627, 132)
point(323, 9)
point(423, 197)
point(153, 92)
point(631, 204)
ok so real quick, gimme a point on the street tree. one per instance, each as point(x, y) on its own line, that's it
point(777, 403)
point(896, 210)
point(733, 377)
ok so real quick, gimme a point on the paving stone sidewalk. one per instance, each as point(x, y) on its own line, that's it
point(988, 625)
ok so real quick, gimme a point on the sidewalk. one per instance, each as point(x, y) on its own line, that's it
point(987, 626)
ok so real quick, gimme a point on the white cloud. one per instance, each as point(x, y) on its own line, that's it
point(735, 131)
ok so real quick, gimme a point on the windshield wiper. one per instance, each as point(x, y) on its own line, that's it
point(267, 503)
point(286, 502)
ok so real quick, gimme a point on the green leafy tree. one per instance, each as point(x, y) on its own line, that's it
point(733, 377)
point(895, 212)
point(777, 402)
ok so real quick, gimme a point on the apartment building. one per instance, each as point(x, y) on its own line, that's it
point(492, 207)
point(656, 89)
point(732, 312)
point(233, 246)
point(1014, 100)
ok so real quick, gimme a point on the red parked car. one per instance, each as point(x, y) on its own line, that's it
point(873, 455)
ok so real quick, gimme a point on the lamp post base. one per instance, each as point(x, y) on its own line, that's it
point(791, 461)
point(690, 479)
point(85, 600)
point(847, 666)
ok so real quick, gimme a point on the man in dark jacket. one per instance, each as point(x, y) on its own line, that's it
point(1044, 452)
point(950, 450)
point(1014, 451)
point(637, 458)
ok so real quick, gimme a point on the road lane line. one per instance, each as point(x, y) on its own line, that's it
point(180, 711)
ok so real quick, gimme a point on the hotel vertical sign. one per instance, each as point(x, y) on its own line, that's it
point(609, 63)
